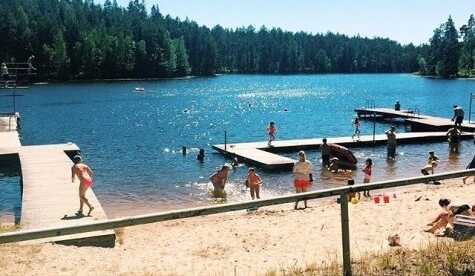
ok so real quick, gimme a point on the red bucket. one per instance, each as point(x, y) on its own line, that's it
point(376, 199)
point(386, 198)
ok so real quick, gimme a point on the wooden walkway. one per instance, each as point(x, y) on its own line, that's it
point(260, 154)
point(49, 199)
point(418, 122)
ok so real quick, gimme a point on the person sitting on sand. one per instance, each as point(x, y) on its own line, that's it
point(84, 174)
point(432, 162)
point(253, 181)
point(302, 176)
point(353, 195)
point(446, 217)
point(271, 130)
point(218, 179)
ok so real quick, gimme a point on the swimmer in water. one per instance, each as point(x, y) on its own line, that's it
point(84, 174)
point(219, 179)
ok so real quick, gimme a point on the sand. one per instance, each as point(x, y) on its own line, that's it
point(243, 243)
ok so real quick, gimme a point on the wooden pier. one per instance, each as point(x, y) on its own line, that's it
point(260, 154)
point(418, 122)
point(49, 199)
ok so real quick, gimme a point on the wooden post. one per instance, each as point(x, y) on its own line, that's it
point(345, 234)
point(374, 129)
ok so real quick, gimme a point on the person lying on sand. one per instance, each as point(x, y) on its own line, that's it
point(446, 217)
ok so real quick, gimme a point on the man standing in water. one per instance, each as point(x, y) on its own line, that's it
point(392, 142)
point(325, 149)
point(218, 179)
point(453, 135)
point(84, 173)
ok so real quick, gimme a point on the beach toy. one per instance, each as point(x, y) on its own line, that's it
point(354, 200)
point(386, 198)
point(376, 199)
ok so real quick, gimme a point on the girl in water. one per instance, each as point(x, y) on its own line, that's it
point(368, 171)
point(254, 182)
point(271, 130)
point(84, 173)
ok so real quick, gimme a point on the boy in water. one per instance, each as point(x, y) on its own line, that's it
point(392, 142)
point(325, 149)
point(453, 135)
point(254, 182)
point(432, 162)
point(271, 130)
point(84, 174)
point(218, 179)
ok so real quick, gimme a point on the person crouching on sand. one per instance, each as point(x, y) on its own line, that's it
point(254, 182)
point(302, 176)
point(218, 179)
point(84, 173)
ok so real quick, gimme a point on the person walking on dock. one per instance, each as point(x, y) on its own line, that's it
point(271, 131)
point(302, 176)
point(356, 127)
point(458, 116)
point(84, 173)
point(392, 142)
point(325, 151)
point(453, 135)
point(219, 179)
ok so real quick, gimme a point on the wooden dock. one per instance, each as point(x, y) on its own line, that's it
point(418, 122)
point(260, 154)
point(49, 199)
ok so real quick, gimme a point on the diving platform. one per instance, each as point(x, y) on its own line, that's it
point(418, 122)
point(266, 157)
point(49, 199)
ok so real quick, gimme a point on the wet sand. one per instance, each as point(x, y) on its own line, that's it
point(272, 238)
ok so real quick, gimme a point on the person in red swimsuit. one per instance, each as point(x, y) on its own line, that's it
point(302, 176)
point(84, 174)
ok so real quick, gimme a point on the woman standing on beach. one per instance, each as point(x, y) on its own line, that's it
point(84, 173)
point(302, 176)
point(254, 182)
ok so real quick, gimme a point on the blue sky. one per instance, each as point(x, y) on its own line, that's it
point(402, 20)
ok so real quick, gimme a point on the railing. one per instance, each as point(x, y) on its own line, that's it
point(342, 192)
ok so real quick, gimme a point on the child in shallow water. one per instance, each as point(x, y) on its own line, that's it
point(368, 171)
point(254, 182)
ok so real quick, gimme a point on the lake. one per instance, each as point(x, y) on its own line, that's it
point(133, 140)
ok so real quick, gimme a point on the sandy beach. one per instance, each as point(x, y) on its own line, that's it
point(243, 243)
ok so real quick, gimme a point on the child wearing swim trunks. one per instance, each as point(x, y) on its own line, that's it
point(254, 182)
point(368, 171)
point(271, 130)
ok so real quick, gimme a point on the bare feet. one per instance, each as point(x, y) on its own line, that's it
point(90, 211)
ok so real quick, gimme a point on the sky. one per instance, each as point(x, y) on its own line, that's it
point(405, 21)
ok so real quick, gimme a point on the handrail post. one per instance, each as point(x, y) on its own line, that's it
point(345, 234)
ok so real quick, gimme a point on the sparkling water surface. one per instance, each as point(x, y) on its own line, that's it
point(133, 140)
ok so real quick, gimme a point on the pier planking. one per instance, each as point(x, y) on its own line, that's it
point(260, 154)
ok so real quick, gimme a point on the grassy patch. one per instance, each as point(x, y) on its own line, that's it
point(442, 258)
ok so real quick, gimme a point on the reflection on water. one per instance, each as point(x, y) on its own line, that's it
point(133, 140)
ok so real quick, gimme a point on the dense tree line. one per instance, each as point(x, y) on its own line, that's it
point(78, 39)
point(447, 55)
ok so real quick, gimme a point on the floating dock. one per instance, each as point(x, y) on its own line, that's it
point(49, 199)
point(260, 154)
point(418, 122)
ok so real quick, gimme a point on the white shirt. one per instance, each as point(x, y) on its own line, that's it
point(302, 170)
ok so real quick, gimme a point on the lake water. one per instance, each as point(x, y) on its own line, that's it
point(133, 140)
